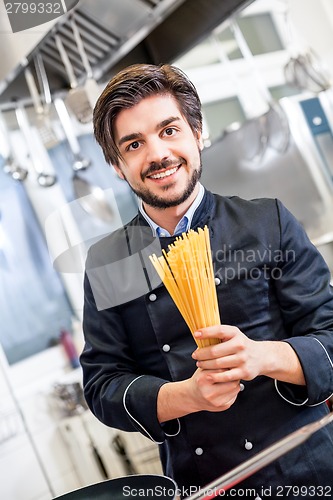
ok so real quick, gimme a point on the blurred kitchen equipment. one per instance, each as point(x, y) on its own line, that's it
point(275, 120)
point(119, 446)
point(266, 124)
point(44, 179)
point(80, 163)
point(43, 123)
point(69, 399)
point(77, 98)
point(304, 70)
point(48, 134)
point(67, 342)
point(250, 136)
point(10, 166)
point(92, 198)
point(91, 86)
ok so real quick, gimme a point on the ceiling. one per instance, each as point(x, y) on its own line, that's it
point(114, 33)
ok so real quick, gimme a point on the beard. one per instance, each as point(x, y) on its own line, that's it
point(156, 201)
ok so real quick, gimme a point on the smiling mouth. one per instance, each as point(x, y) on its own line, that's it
point(166, 173)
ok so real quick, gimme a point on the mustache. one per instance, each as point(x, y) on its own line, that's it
point(156, 166)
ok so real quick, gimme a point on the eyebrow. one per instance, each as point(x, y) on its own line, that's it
point(129, 137)
point(167, 121)
point(137, 135)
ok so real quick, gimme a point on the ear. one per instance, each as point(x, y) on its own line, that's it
point(200, 140)
point(119, 172)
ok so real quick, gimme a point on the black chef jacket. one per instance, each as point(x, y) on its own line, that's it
point(271, 283)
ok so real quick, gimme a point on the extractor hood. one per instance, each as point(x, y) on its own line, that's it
point(115, 33)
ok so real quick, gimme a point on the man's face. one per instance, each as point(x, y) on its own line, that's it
point(160, 153)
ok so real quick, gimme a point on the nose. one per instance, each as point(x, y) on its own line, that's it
point(157, 150)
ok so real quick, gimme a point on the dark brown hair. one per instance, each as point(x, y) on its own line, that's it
point(129, 87)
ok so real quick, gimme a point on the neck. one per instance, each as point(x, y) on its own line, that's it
point(168, 218)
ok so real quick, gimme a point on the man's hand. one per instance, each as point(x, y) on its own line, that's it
point(239, 358)
point(215, 384)
point(236, 357)
point(198, 393)
point(209, 393)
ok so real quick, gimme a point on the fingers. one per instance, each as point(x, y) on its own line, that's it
point(226, 350)
point(221, 363)
point(223, 332)
point(232, 376)
point(229, 335)
point(220, 396)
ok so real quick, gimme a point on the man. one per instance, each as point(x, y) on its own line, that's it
point(212, 408)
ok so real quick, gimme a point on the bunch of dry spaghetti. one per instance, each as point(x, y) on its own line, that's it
point(187, 273)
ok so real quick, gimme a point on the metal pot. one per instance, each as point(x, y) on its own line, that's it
point(126, 487)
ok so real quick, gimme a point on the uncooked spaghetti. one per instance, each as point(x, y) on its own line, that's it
point(187, 273)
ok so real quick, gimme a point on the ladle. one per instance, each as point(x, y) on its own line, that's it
point(10, 167)
point(44, 179)
point(92, 198)
point(42, 122)
point(51, 139)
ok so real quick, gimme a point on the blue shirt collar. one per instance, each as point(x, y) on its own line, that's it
point(185, 222)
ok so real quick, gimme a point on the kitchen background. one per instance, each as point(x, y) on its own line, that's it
point(263, 70)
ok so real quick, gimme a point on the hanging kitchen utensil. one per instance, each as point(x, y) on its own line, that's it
point(80, 163)
point(50, 138)
point(44, 179)
point(10, 166)
point(92, 198)
point(77, 99)
point(306, 73)
point(91, 86)
point(43, 123)
point(275, 120)
point(304, 70)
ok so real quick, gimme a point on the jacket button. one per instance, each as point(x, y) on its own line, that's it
point(248, 445)
point(166, 348)
point(241, 387)
point(152, 297)
point(217, 281)
point(199, 451)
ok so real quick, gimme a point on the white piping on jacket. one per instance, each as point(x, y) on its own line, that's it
point(307, 399)
point(138, 423)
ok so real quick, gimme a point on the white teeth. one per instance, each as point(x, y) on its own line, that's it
point(164, 174)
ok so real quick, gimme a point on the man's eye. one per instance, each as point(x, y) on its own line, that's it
point(169, 131)
point(133, 145)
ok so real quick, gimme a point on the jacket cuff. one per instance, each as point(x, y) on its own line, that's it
point(140, 404)
point(318, 372)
